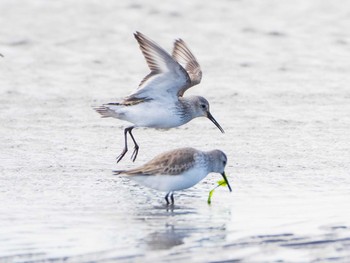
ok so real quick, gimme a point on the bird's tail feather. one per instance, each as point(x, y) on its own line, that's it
point(105, 111)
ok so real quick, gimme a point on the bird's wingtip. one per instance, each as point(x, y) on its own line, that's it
point(138, 34)
point(179, 40)
point(117, 172)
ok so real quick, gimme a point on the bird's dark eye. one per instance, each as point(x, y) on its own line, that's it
point(224, 162)
point(203, 106)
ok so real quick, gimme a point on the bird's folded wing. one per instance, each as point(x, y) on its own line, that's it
point(170, 163)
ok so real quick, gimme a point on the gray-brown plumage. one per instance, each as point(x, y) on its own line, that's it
point(183, 55)
point(169, 163)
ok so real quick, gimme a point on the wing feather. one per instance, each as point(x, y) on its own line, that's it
point(173, 162)
point(167, 76)
point(183, 55)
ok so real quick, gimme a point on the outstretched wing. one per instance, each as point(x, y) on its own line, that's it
point(183, 55)
point(169, 163)
point(167, 76)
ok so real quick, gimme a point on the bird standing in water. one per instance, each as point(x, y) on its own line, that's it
point(178, 169)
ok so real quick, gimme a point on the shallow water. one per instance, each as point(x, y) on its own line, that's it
point(276, 76)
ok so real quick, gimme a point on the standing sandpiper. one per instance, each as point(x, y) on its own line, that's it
point(158, 102)
point(178, 169)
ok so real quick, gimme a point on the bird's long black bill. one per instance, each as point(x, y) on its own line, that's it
point(225, 178)
point(210, 117)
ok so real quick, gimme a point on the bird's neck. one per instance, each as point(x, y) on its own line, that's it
point(188, 107)
point(211, 162)
point(203, 158)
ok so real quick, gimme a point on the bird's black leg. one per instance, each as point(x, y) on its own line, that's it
point(136, 147)
point(125, 150)
point(172, 198)
point(166, 198)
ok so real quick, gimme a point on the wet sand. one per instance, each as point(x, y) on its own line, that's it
point(277, 77)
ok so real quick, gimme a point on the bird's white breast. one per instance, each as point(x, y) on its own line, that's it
point(152, 114)
point(169, 183)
